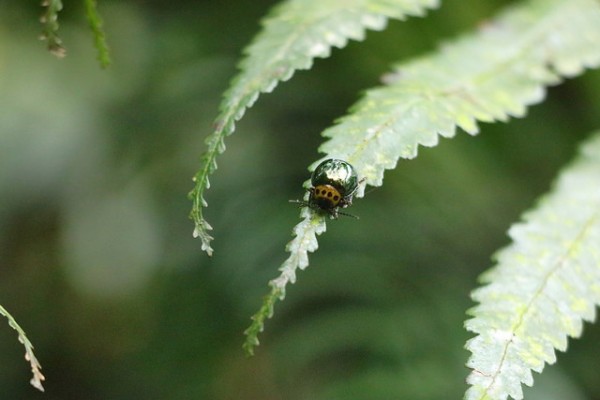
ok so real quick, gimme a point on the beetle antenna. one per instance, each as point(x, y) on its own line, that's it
point(370, 190)
point(348, 215)
point(302, 203)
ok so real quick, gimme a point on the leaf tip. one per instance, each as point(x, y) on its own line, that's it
point(201, 232)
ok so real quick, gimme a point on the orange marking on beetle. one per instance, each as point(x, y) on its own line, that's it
point(328, 193)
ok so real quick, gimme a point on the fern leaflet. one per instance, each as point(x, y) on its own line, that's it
point(95, 21)
point(305, 241)
point(50, 24)
point(488, 76)
point(544, 284)
point(38, 377)
point(527, 47)
point(296, 32)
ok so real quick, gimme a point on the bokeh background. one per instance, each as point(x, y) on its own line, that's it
point(97, 260)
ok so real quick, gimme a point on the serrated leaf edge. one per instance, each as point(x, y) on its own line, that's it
point(233, 109)
point(548, 72)
point(38, 377)
point(305, 241)
point(509, 338)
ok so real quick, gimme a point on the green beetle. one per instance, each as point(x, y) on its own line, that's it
point(334, 183)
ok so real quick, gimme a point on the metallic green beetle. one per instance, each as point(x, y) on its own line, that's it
point(334, 183)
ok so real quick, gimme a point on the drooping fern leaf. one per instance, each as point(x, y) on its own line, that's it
point(50, 24)
point(305, 241)
point(95, 21)
point(543, 286)
point(488, 76)
point(296, 32)
point(38, 377)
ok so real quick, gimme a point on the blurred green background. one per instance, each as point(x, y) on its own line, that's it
point(97, 260)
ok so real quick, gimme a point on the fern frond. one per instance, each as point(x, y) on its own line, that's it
point(487, 76)
point(543, 286)
point(36, 368)
point(95, 21)
point(527, 47)
point(50, 24)
point(296, 32)
point(305, 241)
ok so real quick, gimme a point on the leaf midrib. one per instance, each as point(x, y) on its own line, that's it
point(560, 263)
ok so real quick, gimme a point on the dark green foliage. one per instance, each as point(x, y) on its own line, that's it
point(97, 260)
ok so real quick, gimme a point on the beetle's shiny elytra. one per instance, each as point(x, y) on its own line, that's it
point(337, 173)
point(334, 183)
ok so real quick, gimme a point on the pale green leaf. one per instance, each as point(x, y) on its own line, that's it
point(305, 241)
point(487, 76)
point(36, 368)
point(296, 32)
point(545, 284)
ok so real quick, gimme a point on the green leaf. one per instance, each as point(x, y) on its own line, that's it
point(296, 32)
point(95, 22)
point(36, 368)
point(543, 286)
point(50, 24)
point(305, 241)
point(487, 76)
